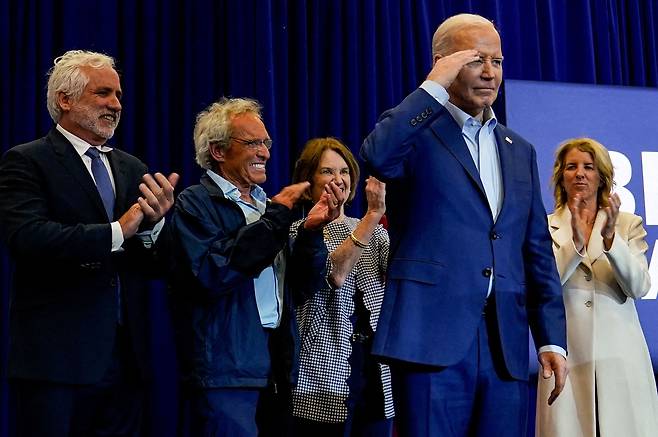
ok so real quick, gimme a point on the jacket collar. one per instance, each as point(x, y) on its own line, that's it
point(560, 226)
point(213, 190)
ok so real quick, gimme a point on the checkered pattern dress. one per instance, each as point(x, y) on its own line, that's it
point(325, 326)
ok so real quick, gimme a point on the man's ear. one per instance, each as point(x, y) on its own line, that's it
point(64, 101)
point(217, 152)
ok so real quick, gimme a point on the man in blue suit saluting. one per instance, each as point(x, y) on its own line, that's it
point(471, 265)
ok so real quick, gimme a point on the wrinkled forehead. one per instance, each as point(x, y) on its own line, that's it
point(481, 37)
point(248, 123)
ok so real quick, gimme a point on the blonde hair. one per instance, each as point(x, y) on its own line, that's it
point(67, 76)
point(213, 125)
point(602, 163)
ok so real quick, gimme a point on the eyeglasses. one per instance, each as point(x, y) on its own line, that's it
point(254, 144)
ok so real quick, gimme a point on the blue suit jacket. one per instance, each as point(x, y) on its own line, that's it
point(444, 242)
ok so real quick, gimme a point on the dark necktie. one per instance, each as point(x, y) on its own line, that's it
point(103, 182)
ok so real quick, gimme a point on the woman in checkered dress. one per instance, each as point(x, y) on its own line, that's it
point(341, 389)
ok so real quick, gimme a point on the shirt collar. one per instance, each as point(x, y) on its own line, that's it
point(464, 119)
point(231, 191)
point(79, 144)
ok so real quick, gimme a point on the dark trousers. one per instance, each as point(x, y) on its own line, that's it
point(112, 407)
point(370, 428)
point(474, 397)
point(238, 412)
point(224, 412)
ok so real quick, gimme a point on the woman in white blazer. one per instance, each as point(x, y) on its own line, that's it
point(610, 389)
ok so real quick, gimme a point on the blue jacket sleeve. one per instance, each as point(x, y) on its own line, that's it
point(385, 149)
point(216, 245)
point(307, 265)
point(546, 314)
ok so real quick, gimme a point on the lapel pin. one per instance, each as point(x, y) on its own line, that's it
point(508, 140)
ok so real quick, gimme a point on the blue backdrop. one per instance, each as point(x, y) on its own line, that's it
point(319, 67)
point(622, 119)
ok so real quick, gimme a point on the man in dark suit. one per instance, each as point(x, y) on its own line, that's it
point(471, 265)
point(81, 221)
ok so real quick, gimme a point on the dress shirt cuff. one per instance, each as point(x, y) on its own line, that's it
point(117, 236)
point(149, 237)
point(553, 348)
point(435, 90)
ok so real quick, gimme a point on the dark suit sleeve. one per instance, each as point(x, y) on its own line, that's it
point(545, 305)
point(221, 256)
point(385, 149)
point(306, 267)
point(25, 222)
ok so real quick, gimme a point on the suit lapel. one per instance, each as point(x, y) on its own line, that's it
point(450, 135)
point(595, 245)
point(506, 157)
point(71, 161)
point(560, 227)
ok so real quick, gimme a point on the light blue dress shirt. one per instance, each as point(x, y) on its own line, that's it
point(481, 143)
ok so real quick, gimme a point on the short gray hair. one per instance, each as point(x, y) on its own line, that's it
point(213, 125)
point(442, 40)
point(68, 77)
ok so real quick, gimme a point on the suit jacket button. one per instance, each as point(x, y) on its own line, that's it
point(588, 276)
point(486, 272)
point(588, 304)
point(413, 122)
point(494, 235)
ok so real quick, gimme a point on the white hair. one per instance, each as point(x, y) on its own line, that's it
point(67, 76)
point(213, 125)
point(442, 40)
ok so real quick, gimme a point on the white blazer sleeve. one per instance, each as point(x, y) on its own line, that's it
point(628, 261)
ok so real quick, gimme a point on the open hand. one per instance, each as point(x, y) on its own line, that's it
point(291, 194)
point(158, 195)
point(131, 220)
point(552, 363)
point(328, 208)
point(446, 68)
point(611, 215)
point(578, 221)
